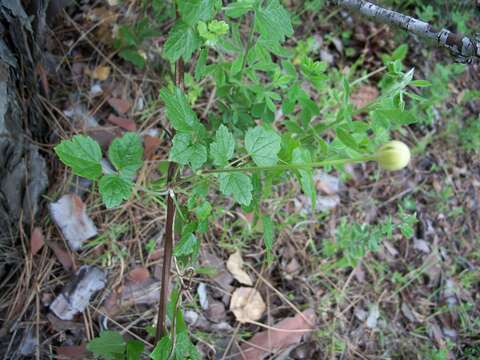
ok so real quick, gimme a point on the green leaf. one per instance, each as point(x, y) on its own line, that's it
point(82, 154)
point(303, 156)
point(201, 66)
point(239, 8)
point(193, 11)
point(134, 349)
point(203, 211)
point(114, 189)
point(182, 345)
point(268, 235)
point(182, 42)
point(223, 147)
point(395, 116)
point(162, 349)
point(421, 83)
point(347, 139)
point(184, 152)
point(126, 154)
point(187, 245)
point(273, 21)
point(238, 184)
point(109, 345)
point(263, 145)
point(178, 111)
point(133, 56)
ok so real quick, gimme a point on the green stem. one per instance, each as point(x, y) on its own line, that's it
point(290, 166)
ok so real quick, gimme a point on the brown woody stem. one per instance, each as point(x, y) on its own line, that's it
point(169, 231)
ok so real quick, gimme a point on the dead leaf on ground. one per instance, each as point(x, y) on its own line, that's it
point(247, 304)
point(235, 266)
point(63, 325)
point(69, 213)
point(104, 136)
point(138, 275)
point(36, 240)
point(122, 122)
point(121, 106)
point(363, 96)
point(72, 352)
point(101, 72)
point(326, 183)
point(139, 289)
point(293, 329)
point(151, 145)
point(76, 295)
point(62, 255)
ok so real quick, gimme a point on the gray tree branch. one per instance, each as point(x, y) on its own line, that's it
point(464, 48)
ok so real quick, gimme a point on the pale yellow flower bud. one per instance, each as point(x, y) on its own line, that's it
point(394, 155)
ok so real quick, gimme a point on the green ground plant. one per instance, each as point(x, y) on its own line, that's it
point(278, 114)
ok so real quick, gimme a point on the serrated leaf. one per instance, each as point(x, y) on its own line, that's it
point(237, 184)
point(193, 11)
point(239, 8)
point(181, 43)
point(82, 154)
point(178, 111)
point(347, 139)
point(223, 147)
point(133, 56)
point(126, 154)
point(109, 345)
point(187, 245)
point(303, 156)
point(201, 66)
point(185, 152)
point(273, 21)
point(134, 349)
point(263, 145)
point(268, 235)
point(162, 349)
point(114, 189)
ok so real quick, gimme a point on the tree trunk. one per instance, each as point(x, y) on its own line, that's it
point(23, 176)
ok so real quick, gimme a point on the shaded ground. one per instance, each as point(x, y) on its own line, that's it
point(415, 297)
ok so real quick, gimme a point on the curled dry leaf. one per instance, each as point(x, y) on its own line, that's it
point(122, 122)
point(99, 73)
point(72, 352)
point(363, 96)
point(70, 215)
point(235, 266)
point(293, 329)
point(76, 295)
point(62, 255)
point(139, 289)
point(36, 240)
point(247, 304)
point(151, 145)
point(121, 106)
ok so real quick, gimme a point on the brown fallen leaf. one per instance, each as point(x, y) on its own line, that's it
point(271, 341)
point(138, 275)
point(121, 106)
point(139, 289)
point(101, 72)
point(76, 295)
point(235, 266)
point(363, 96)
point(62, 325)
point(104, 136)
point(69, 213)
point(72, 352)
point(122, 122)
point(62, 255)
point(151, 145)
point(36, 240)
point(247, 304)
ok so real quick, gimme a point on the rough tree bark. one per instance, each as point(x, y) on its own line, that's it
point(22, 169)
point(463, 48)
